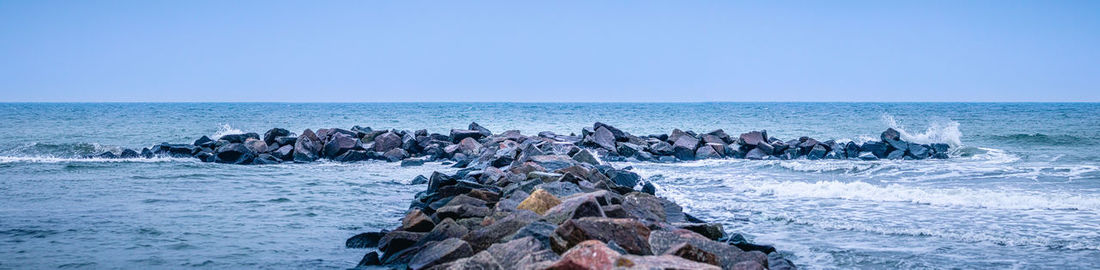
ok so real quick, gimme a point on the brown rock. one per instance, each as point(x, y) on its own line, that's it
point(659, 262)
point(687, 251)
point(539, 201)
point(629, 234)
point(578, 206)
point(462, 211)
point(591, 254)
point(398, 240)
point(417, 221)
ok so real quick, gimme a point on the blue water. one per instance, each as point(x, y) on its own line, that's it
point(1022, 189)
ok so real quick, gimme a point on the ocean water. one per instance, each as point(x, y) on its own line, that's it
point(1021, 190)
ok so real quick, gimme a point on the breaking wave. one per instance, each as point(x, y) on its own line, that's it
point(225, 129)
point(940, 197)
point(937, 132)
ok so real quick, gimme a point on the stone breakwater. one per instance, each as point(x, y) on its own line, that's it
point(473, 145)
point(545, 209)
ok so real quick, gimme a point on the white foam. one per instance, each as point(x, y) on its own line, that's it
point(50, 159)
point(937, 132)
point(941, 197)
point(225, 129)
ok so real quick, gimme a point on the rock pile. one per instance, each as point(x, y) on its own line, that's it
point(477, 144)
point(541, 203)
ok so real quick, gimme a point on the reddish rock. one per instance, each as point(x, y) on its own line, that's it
point(629, 234)
point(660, 262)
point(687, 251)
point(591, 254)
point(440, 252)
point(416, 221)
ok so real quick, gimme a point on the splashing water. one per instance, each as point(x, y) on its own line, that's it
point(225, 129)
point(937, 132)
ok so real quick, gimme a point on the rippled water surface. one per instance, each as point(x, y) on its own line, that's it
point(1022, 189)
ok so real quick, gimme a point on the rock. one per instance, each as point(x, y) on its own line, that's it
point(129, 153)
point(417, 221)
point(306, 149)
point(484, 237)
point(756, 154)
point(239, 138)
point(728, 256)
point(661, 148)
point(234, 153)
point(626, 149)
point(776, 261)
point(876, 148)
point(578, 206)
point(896, 154)
point(285, 152)
point(517, 251)
point(395, 154)
point(939, 150)
point(458, 134)
point(265, 159)
point(684, 147)
point(659, 262)
point(146, 153)
point(480, 129)
point(270, 135)
point(539, 201)
point(339, 144)
point(630, 234)
point(175, 150)
point(583, 156)
point(462, 211)
point(202, 141)
point(560, 189)
point(386, 142)
point(591, 254)
point(370, 259)
point(816, 152)
point(412, 162)
point(644, 207)
point(553, 162)
point(603, 138)
point(767, 148)
point(687, 251)
point(365, 240)
point(286, 140)
point(538, 230)
point(753, 138)
point(469, 146)
point(618, 134)
point(893, 138)
point(441, 252)
point(396, 241)
point(447, 228)
point(713, 231)
point(624, 178)
point(917, 151)
point(353, 155)
point(707, 151)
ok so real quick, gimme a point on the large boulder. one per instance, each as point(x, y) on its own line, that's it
point(482, 238)
point(603, 138)
point(660, 262)
point(729, 256)
point(417, 221)
point(617, 133)
point(458, 134)
point(876, 148)
point(307, 147)
point(583, 156)
point(893, 138)
point(578, 206)
point(270, 135)
point(756, 154)
point(708, 151)
point(386, 142)
point(480, 129)
point(394, 155)
point(365, 240)
point(684, 147)
point(339, 144)
point(644, 207)
point(441, 252)
point(753, 138)
point(591, 254)
point(629, 234)
point(239, 138)
point(234, 153)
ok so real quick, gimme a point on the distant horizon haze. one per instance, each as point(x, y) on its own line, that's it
point(568, 51)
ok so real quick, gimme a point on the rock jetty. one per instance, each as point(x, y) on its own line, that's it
point(538, 203)
point(476, 144)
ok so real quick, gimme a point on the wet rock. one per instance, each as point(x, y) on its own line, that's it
point(129, 153)
point(603, 138)
point(917, 151)
point(370, 259)
point(270, 135)
point(618, 134)
point(728, 256)
point(767, 148)
point(644, 207)
point(583, 156)
point(257, 146)
point(684, 147)
point(239, 138)
point(896, 154)
point(285, 152)
point(265, 159)
point(441, 252)
point(624, 178)
point(816, 152)
point(776, 261)
point(756, 154)
point(707, 151)
point(626, 149)
point(234, 153)
point(286, 140)
point(462, 211)
point(417, 221)
point(578, 206)
point(553, 162)
point(591, 254)
point(867, 156)
point(365, 240)
point(753, 138)
point(386, 142)
point(893, 138)
point(630, 234)
point(412, 162)
point(396, 241)
point(175, 150)
point(146, 153)
point(661, 148)
point(518, 251)
point(851, 150)
point(306, 149)
point(538, 230)
point(447, 228)
point(687, 251)
point(395, 154)
point(202, 141)
point(560, 189)
point(712, 231)
point(876, 148)
point(660, 262)
point(458, 134)
point(468, 146)
point(484, 237)
point(480, 129)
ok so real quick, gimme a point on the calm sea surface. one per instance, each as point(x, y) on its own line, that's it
point(1021, 191)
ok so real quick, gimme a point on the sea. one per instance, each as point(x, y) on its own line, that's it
point(1021, 189)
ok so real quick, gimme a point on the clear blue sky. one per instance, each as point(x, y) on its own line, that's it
point(363, 51)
